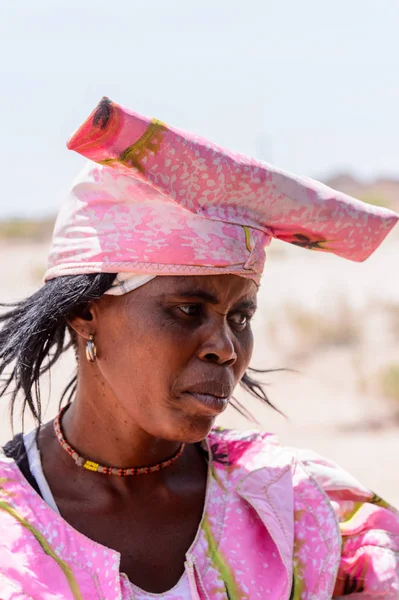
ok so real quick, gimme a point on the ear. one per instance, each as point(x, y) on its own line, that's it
point(83, 320)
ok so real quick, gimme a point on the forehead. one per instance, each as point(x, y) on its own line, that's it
point(222, 287)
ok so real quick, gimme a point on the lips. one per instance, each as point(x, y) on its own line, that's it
point(213, 396)
point(218, 389)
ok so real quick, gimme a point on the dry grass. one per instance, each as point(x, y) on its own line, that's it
point(26, 230)
point(37, 273)
point(392, 311)
point(389, 381)
point(376, 200)
point(330, 328)
point(277, 250)
point(297, 333)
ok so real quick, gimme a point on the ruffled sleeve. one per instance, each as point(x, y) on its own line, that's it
point(369, 566)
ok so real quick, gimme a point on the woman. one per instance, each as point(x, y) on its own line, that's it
point(130, 492)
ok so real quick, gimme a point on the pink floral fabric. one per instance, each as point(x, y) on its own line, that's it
point(279, 523)
point(156, 200)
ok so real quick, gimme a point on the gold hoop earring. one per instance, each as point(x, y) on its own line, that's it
point(91, 350)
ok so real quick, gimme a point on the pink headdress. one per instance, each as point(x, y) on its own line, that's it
point(155, 200)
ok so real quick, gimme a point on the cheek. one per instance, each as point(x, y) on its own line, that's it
point(146, 355)
point(245, 348)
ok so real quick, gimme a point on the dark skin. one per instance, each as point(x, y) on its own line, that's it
point(169, 355)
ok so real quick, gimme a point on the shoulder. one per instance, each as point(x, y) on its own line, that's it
point(311, 474)
point(14, 455)
point(362, 530)
point(11, 453)
point(15, 448)
point(250, 449)
point(257, 450)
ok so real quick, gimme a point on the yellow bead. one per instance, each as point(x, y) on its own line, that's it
point(91, 466)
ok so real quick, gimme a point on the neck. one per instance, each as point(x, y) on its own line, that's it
point(99, 432)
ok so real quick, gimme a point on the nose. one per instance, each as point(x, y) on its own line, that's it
point(218, 347)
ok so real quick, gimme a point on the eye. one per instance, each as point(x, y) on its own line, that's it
point(191, 310)
point(240, 320)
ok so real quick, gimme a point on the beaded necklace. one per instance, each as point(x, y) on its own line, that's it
point(93, 466)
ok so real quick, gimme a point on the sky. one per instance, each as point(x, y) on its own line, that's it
point(311, 86)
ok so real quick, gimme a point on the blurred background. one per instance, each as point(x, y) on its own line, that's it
point(310, 86)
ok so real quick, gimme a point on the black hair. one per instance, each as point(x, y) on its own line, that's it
point(35, 333)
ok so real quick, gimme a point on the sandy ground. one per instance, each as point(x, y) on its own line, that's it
point(332, 403)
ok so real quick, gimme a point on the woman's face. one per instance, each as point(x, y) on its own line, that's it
point(172, 351)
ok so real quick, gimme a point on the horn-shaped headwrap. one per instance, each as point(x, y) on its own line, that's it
point(158, 201)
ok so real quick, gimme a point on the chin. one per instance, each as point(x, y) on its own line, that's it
point(195, 416)
point(194, 429)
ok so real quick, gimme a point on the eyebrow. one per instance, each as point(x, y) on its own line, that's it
point(212, 299)
point(247, 305)
point(201, 294)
